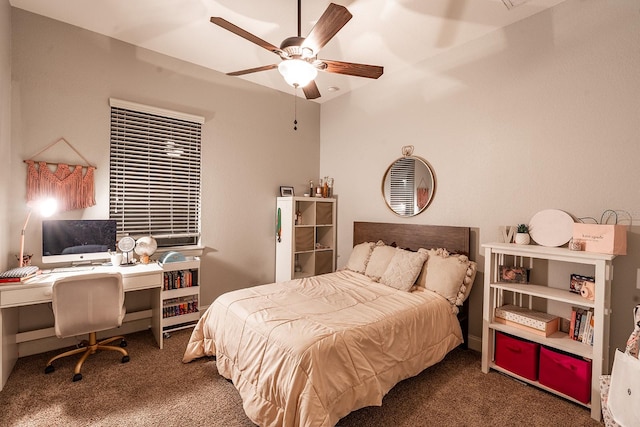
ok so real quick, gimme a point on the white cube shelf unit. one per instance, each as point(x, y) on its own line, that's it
point(307, 245)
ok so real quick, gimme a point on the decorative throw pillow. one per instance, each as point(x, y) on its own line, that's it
point(404, 268)
point(359, 257)
point(449, 275)
point(379, 260)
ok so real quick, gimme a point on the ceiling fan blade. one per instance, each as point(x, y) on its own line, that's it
point(331, 21)
point(311, 90)
point(253, 70)
point(352, 69)
point(244, 34)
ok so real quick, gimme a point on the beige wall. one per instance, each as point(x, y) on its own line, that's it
point(5, 126)
point(63, 77)
point(542, 114)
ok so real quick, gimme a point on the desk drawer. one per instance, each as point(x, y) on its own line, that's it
point(143, 281)
point(25, 296)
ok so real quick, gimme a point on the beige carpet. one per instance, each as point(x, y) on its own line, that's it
point(156, 389)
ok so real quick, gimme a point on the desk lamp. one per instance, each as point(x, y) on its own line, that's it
point(46, 207)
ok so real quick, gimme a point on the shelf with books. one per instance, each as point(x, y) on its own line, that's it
point(588, 344)
point(582, 325)
point(180, 294)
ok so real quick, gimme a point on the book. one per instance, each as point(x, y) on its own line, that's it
point(578, 321)
point(18, 275)
point(587, 337)
point(581, 327)
point(572, 325)
point(583, 324)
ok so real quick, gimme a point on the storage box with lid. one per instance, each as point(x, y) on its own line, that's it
point(532, 321)
point(517, 355)
point(565, 373)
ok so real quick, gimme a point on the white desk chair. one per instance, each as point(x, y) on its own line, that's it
point(86, 304)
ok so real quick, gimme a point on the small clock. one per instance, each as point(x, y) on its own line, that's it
point(126, 245)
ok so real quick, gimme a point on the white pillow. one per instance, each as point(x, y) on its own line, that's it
point(379, 260)
point(404, 268)
point(359, 257)
point(449, 275)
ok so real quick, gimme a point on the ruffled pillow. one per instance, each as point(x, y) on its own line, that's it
point(404, 268)
point(449, 275)
point(379, 261)
point(359, 257)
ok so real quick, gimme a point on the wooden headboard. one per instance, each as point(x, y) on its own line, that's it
point(416, 236)
point(413, 236)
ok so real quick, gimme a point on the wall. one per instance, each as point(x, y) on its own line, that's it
point(63, 77)
point(541, 114)
point(5, 124)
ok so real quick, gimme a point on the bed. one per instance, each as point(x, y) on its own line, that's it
point(309, 351)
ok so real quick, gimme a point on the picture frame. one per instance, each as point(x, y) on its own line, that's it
point(510, 274)
point(286, 191)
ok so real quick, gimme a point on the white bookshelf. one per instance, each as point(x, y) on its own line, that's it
point(557, 289)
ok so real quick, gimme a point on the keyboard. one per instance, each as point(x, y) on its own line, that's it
point(72, 269)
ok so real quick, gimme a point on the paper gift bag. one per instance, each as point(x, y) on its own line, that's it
point(602, 238)
point(624, 391)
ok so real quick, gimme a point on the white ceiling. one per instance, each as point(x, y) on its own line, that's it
point(392, 33)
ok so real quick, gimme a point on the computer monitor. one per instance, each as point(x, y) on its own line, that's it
point(77, 241)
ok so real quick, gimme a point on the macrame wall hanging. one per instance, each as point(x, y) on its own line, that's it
point(67, 185)
point(423, 194)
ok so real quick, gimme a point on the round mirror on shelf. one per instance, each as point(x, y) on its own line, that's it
point(408, 184)
point(126, 246)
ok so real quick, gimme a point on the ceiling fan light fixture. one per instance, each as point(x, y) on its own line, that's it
point(297, 72)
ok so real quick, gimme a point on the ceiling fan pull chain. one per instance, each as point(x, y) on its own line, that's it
point(295, 107)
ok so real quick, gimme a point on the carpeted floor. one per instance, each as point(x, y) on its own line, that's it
point(156, 389)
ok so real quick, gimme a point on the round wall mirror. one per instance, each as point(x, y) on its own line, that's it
point(408, 186)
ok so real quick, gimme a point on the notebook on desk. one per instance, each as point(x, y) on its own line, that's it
point(19, 274)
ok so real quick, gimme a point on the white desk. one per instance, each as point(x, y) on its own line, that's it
point(38, 290)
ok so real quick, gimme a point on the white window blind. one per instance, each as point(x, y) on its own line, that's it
point(154, 180)
point(402, 183)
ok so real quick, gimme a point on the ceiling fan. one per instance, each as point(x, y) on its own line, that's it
point(300, 63)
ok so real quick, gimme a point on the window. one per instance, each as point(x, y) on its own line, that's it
point(154, 179)
point(402, 186)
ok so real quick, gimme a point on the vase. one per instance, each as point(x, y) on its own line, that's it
point(522, 238)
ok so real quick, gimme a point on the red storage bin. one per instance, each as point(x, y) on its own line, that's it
point(517, 355)
point(566, 373)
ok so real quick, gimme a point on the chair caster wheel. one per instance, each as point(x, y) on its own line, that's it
point(125, 359)
point(123, 343)
point(49, 369)
point(77, 377)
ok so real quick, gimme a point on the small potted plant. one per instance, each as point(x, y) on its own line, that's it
point(522, 235)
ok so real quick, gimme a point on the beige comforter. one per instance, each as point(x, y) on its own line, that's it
point(309, 351)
